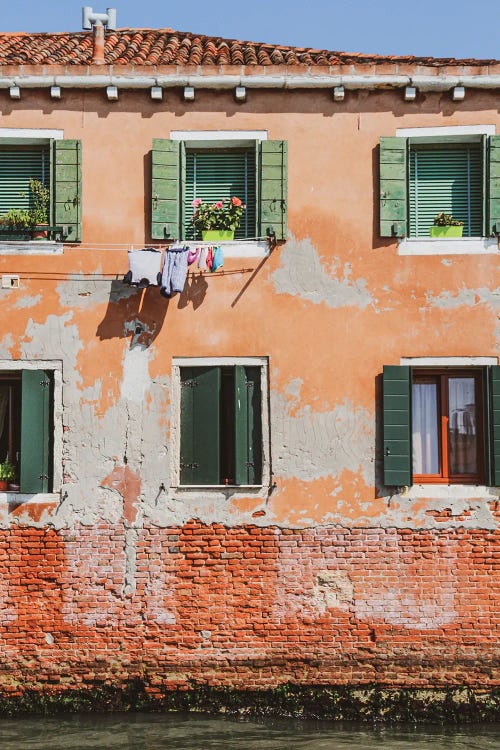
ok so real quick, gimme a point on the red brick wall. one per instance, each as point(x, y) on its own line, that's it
point(247, 606)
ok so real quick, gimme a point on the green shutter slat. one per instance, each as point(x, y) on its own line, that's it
point(218, 175)
point(35, 426)
point(200, 425)
point(494, 185)
point(248, 427)
point(18, 164)
point(273, 188)
point(448, 180)
point(393, 187)
point(67, 161)
point(397, 421)
point(494, 416)
point(165, 189)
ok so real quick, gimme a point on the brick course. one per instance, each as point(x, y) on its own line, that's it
point(247, 607)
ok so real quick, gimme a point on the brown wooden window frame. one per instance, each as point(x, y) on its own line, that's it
point(441, 377)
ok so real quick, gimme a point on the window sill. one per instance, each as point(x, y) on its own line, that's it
point(453, 246)
point(450, 491)
point(218, 487)
point(235, 248)
point(23, 497)
point(31, 247)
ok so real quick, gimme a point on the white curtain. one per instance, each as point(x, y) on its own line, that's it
point(425, 446)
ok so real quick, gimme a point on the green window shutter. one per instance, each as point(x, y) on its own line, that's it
point(248, 427)
point(447, 179)
point(68, 188)
point(393, 187)
point(397, 421)
point(493, 417)
point(17, 165)
point(35, 431)
point(494, 185)
point(165, 189)
point(273, 189)
point(214, 175)
point(200, 425)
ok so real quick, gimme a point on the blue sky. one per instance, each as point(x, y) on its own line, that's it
point(441, 28)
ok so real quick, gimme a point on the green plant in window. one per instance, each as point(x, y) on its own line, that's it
point(41, 199)
point(27, 218)
point(446, 220)
point(225, 214)
point(7, 471)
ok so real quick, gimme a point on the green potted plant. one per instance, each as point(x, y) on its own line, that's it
point(446, 226)
point(7, 474)
point(218, 221)
point(28, 223)
point(40, 210)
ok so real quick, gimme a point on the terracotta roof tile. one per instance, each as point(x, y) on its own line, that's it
point(168, 47)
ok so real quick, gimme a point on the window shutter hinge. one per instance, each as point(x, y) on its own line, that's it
point(43, 476)
point(45, 383)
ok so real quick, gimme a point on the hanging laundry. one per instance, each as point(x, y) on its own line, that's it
point(144, 268)
point(210, 258)
point(202, 260)
point(218, 259)
point(193, 254)
point(173, 277)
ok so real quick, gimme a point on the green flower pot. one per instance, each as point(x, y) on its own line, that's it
point(447, 231)
point(217, 235)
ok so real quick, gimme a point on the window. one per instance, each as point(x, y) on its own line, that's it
point(27, 426)
point(440, 425)
point(221, 423)
point(423, 175)
point(253, 170)
point(56, 163)
point(214, 175)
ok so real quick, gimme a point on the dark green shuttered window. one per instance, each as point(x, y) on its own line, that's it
point(418, 180)
point(221, 430)
point(18, 164)
point(448, 179)
point(57, 165)
point(217, 175)
point(257, 175)
point(397, 417)
point(26, 426)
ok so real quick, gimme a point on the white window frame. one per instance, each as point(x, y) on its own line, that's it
point(175, 426)
point(449, 491)
point(28, 137)
point(55, 366)
point(227, 139)
point(437, 245)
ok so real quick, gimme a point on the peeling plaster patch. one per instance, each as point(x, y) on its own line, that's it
point(160, 586)
point(130, 562)
point(6, 346)
point(302, 274)
point(311, 445)
point(77, 291)
point(333, 590)
point(136, 378)
point(467, 297)
point(28, 301)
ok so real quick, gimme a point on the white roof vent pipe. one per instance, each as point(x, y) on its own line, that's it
point(97, 22)
point(89, 18)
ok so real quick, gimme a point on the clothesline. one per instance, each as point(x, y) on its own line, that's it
point(123, 246)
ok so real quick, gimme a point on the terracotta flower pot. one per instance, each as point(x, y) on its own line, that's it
point(3, 485)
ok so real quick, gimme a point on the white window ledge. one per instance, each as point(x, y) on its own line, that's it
point(451, 492)
point(235, 248)
point(22, 497)
point(31, 247)
point(455, 246)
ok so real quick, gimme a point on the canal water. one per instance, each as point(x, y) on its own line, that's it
point(155, 731)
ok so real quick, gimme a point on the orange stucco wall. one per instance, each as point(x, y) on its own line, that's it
point(329, 308)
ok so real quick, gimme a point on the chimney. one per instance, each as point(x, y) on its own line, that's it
point(97, 22)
